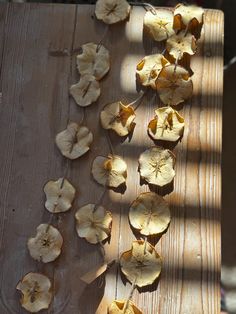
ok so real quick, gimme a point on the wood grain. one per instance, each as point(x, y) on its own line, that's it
point(35, 106)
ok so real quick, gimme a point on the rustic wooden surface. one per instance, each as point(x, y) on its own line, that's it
point(34, 107)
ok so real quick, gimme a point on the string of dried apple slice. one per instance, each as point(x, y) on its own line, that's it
point(171, 125)
point(174, 86)
point(93, 222)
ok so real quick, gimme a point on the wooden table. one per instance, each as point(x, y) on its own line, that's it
point(34, 108)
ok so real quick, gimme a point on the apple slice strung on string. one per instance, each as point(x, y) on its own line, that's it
point(112, 11)
point(168, 125)
point(174, 85)
point(109, 171)
point(149, 68)
point(159, 25)
point(118, 117)
point(180, 44)
point(46, 245)
point(93, 61)
point(187, 16)
point(141, 264)
point(150, 214)
point(93, 223)
point(86, 91)
point(74, 141)
point(59, 195)
point(117, 307)
point(36, 292)
point(156, 166)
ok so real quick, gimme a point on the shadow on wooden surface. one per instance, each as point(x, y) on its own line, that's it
point(35, 107)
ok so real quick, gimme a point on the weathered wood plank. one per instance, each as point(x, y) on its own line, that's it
point(35, 107)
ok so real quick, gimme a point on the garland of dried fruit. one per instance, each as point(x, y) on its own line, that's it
point(149, 213)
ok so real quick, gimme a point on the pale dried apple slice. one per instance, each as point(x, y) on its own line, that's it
point(159, 25)
point(117, 307)
point(168, 125)
point(93, 223)
point(118, 117)
point(36, 292)
point(142, 264)
point(174, 85)
point(74, 141)
point(109, 171)
point(149, 68)
point(112, 11)
point(190, 16)
point(86, 91)
point(93, 61)
point(179, 44)
point(150, 214)
point(156, 166)
point(59, 195)
point(46, 245)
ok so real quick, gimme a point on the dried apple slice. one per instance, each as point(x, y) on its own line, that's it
point(179, 44)
point(141, 264)
point(46, 245)
point(159, 25)
point(93, 61)
point(149, 68)
point(74, 141)
point(36, 292)
point(174, 85)
point(117, 307)
point(118, 117)
point(86, 91)
point(156, 166)
point(168, 125)
point(190, 16)
point(150, 214)
point(93, 224)
point(112, 11)
point(109, 171)
point(60, 195)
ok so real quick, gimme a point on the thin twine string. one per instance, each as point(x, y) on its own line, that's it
point(83, 116)
point(145, 4)
point(186, 30)
point(102, 39)
point(130, 295)
point(111, 148)
point(145, 244)
point(100, 201)
point(138, 100)
point(102, 249)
